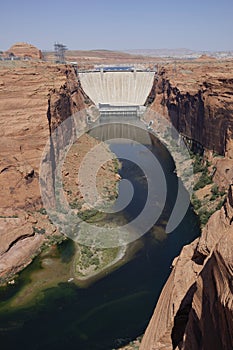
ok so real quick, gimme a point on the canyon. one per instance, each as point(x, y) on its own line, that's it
point(195, 308)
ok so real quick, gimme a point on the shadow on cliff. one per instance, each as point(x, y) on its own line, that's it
point(51, 149)
point(213, 329)
point(181, 317)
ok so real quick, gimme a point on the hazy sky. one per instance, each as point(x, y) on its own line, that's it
point(118, 24)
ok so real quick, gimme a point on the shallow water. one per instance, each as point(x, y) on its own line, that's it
point(112, 311)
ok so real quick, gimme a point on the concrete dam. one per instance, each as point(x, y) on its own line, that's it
point(119, 95)
point(117, 88)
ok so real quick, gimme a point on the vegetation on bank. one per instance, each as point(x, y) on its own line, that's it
point(90, 260)
point(207, 198)
point(133, 345)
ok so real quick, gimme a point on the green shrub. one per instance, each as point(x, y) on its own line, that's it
point(89, 214)
point(198, 164)
point(196, 202)
point(42, 211)
point(37, 230)
point(220, 204)
point(204, 180)
point(215, 190)
point(204, 216)
point(75, 205)
point(116, 165)
point(216, 193)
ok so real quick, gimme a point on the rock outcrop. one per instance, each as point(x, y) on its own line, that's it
point(29, 93)
point(195, 308)
point(24, 50)
point(198, 99)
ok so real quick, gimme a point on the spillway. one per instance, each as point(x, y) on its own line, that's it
point(117, 88)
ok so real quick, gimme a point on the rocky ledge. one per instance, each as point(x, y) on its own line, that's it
point(30, 92)
point(195, 308)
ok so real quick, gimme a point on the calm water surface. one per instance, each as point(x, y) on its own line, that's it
point(115, 309)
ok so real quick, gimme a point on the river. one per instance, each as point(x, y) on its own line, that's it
point(117, 308)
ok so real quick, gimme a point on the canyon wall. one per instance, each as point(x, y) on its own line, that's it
point(35, 97)
point(195, 308)
point(200, 107)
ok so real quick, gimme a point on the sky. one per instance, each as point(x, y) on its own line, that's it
point(118, 24)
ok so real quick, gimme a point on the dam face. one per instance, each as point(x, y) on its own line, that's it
point(117, 88)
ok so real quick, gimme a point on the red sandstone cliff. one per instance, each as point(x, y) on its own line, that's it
point(29, 92)
point(198, 99)
point(195, 308)
point(24, 50)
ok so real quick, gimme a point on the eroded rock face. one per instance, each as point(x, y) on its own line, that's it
point(25, 127)
point(19, 242)
point(198, 99)
point(29, 91)
point(210, 321)
point(195, 308)
point(24, 50)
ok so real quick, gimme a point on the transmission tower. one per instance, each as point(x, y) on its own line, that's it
point(60, 50)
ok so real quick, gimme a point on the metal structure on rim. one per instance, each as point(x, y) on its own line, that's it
point(60, 50)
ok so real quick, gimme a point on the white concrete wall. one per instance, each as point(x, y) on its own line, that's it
point(117, 88)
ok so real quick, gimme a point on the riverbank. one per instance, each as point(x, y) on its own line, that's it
point(36, 224)
point(88, 264)
point(116, 257)
point(54, 266)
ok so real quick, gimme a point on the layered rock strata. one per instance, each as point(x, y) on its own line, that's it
point(195, 308)
point(35, 97)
